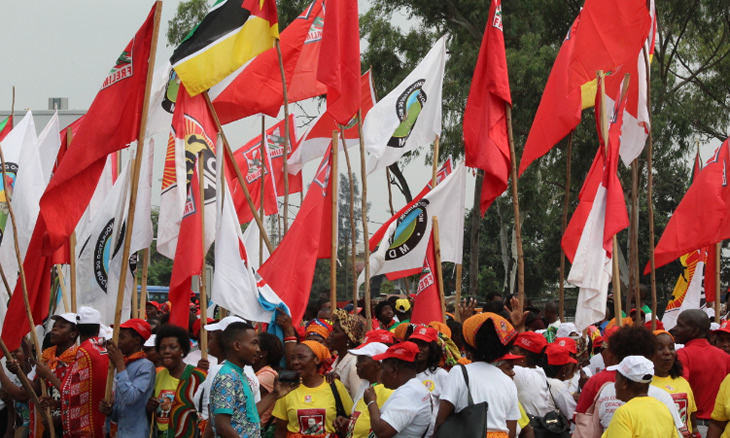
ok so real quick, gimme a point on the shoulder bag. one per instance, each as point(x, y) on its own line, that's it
point(470, 422)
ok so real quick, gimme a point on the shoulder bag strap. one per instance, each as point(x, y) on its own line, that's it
point(466, 380)
point(430, 400)
point(338, 401)
point(592, 408)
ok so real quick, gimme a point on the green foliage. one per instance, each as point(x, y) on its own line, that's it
point(189, 14)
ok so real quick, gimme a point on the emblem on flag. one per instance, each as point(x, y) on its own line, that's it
point(497, 21)
point(122, 68)
point(410, 230)
point(408, 106)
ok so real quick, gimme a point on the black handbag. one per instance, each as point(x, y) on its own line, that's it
point(551, 425)
point(470, 422)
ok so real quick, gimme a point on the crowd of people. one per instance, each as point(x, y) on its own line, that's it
point(333, 376)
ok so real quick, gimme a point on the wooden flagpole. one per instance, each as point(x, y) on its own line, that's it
point(134, 310)
point(439, 271)
point(333, 243)
point(516, 207)
point(650, 192)
point(239, 176)
point(564, 225)
point(5, 282)
point(133, 192)
point(12, 109)
point(64, 292)
point(24, 284)
point(264, 152)
point(72, 246)
point(202, 277)
point(286, 136)
point(143, 293)
point(353, 230)
point(633, 290)
point(29, 388)
point(365, 233)
point(435, 164)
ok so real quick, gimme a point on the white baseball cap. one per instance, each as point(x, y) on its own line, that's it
point(150, 342)
point(370, 349)
point(89, 315)
point(635, 368)
point(69, 317)
point(223, 323)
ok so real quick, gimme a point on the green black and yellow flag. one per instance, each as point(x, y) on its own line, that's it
point(233, 32)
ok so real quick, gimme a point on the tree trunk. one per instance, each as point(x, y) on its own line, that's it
point(402, 184)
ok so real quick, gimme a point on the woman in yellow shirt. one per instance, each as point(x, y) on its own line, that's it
point(311, 409)
point(668, 376)
point(720, 423)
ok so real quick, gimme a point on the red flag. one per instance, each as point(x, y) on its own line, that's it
point(710, 274)
point(5, 127)
point(300, 43)
point(111, 123)
point(314, 143)
point(607, 35)
point(427, 302)
point(290, 269)
point(706, 202)
point(339, 60)
point(275, 145)
point(188, 255)
point(485, 118)
point(256, 170)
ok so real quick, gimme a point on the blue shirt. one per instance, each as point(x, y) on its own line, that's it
point(134, 387)
point(231, 395)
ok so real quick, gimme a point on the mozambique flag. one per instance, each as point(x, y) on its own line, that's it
point(229, 36)
point(5, 127)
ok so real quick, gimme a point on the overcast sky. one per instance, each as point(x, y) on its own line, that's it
point(65, 48)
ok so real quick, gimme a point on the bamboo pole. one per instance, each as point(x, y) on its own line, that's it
point(476, 219)
point(264, 156)
point(435, 164)
point(143, 292)
point(5, 282)
point(516, 207)
point(633, 290)
point(133, 198)
point(650, 193)
point(134, 308)
point(28, 387)
point(202, 277)
point(353, 230)
point(333, 235)
point(439, 271)
point(286, 136)
point(72, 268)
point(365, 233)
point(64, 292)
point(564, 225)
point(457, 292)
point(239, 176)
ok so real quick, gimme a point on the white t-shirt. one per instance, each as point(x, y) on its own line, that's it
point(346, 368)
point(433, 381)
point(608, 403)
point(532, 391)
point(202, 394)
point(596, 364)
point(410, 410)
point(488, 384)
point(562, 397)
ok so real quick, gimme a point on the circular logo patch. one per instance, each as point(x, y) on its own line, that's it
point(410, 230)
point(407, 107)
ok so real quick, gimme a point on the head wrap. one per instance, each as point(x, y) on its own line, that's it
point(319, 327)
point(440, 327)
point(352, 325)
point(320, 351)
point(400, 331)
point(663, 332)
point(504, 329)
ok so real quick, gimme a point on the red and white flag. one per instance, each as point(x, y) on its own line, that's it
point(427, 302)
point(290, 269)
point(485, 119)
point(601, 213)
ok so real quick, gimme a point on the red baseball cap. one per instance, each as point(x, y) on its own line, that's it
point(531, 341)
point(196, 326)
point(379, 335)
point(155, 304)
point(558, 355)
point(425, 333)
point(724, 327)
point(140, 326)
point(510, 356)
point(567, 343)
point(609, 332)
point(406, 351)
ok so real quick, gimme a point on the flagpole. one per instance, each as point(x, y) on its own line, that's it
point(143, 293)
point(365, 233)
point(264, 153)
point(650, 193)
point(435, 164)
point(457, 292)
point(434, 182)
point(439, 271)
point(633, 289)
point(203, 292)
point(133, 194)
point(12, 109)
point(516, 207)
point(71, 245)
point(564, 225)
point(476, 220)
point(353, 230)
point(5, 282)
point(64, 292)
point(24, 284)
point(333, 233)
point(286, 136)
point(237, 170)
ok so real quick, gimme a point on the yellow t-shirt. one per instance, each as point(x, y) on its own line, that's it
point(359, 426)
point(165, 388)
point(524, 419)
point(644, 417)
point(682, 395)
point(721, 411)
point(311, 411)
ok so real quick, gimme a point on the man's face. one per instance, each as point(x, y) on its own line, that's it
point(127, 341)
point(683, 332)
point(248, 344)
point(722, 341)
point(63, 332)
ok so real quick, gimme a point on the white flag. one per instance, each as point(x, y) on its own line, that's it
point(49, 142)
point(688, 289)
point(251, 241)
point(407, 237)
point(410, 115)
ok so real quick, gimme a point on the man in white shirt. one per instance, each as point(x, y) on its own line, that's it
point(408, 413)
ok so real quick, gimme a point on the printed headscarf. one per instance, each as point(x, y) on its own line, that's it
point(352, 325)
point(504, 329)
point(320, 351)
point(319, 327)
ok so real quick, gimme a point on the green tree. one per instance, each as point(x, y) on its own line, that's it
point(189, 14)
